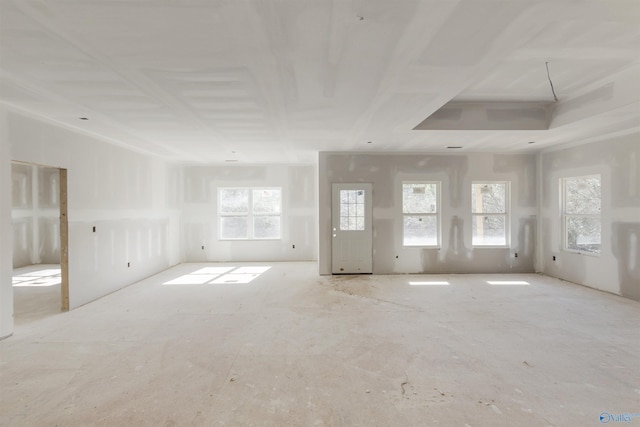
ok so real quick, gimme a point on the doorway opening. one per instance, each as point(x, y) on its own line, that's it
point(40, 241)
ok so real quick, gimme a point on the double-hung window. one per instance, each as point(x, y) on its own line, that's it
point(490, 213)
point(421, 213)
point(581, 207)
point(249, 213)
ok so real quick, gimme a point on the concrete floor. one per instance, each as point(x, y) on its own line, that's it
point(291, 348)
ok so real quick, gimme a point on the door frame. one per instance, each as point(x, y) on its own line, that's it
point(64, 242)
point(63, 231)
point(335, 223)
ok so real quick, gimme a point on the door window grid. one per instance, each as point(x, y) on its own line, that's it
point(352, 210)
point(490, 215)
point(421, 213)
point(581, 210)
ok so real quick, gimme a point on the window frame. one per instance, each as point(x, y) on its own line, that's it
point(250, 215)
point(506, 214)
point(564, 216)
point(437, 214)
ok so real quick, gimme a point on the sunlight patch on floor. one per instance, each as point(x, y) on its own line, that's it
point(508, 282)
point(430, 283)
point(219, 275)
point(47, 277)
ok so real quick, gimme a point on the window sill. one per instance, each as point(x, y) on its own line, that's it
point(591, 254)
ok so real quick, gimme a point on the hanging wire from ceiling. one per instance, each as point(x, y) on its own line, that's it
point(550, 82)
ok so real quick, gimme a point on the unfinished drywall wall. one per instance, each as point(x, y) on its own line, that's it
point(455, 172)
point(200, 231)
point(123, 215)
point(6, 287)
point(617, 268)
point(35, 214)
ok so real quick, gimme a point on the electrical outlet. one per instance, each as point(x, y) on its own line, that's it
point(128, 264)
point(203, 248)
point(94, 228)
point(293, 246)
point(515, 255)
point(554, 257)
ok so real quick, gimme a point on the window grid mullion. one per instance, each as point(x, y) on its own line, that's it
point(250, 215)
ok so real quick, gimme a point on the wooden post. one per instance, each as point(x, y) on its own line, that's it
point(64, 241)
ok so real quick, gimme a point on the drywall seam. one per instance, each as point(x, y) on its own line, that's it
point(539, 260)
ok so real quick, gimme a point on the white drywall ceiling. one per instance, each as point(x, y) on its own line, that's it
point(278, 81)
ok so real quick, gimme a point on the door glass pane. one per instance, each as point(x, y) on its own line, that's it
point(344, 223)
point(352, 210)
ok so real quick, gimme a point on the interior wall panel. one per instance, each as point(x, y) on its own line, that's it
point(200, 233)
point(617, 268)
point(22, 242)
point(123, 194)
point(455, 173)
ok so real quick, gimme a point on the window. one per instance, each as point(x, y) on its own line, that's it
point(581, 214)
point(489, 208)
point(249, 213)
point(352, 210)
point(421, 213)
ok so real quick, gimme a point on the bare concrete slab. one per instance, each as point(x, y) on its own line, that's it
point(246, 345)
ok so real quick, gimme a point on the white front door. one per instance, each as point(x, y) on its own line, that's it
point(351, 229)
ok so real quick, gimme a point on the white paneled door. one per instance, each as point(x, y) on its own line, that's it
point(351, 229)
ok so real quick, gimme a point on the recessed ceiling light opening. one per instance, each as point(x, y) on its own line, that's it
point(454, 147)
